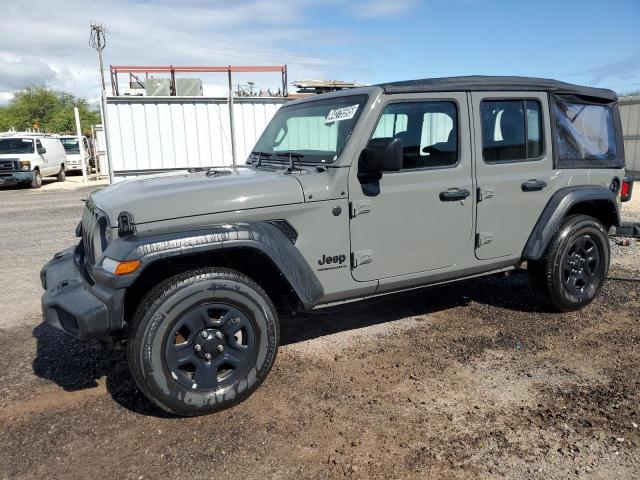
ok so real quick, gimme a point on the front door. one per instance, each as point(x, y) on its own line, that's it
point(514, 169)
point(420, 218)
point(45, 167)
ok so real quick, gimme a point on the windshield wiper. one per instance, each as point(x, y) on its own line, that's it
point(260, 155)
point(291, 156)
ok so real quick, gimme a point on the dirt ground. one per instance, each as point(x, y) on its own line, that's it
point(466, 381)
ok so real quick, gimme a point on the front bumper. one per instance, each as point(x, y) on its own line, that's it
point(16, 177)
point(75, 304)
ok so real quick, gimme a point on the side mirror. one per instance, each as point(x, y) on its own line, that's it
point(42, 150)
point(380, 155)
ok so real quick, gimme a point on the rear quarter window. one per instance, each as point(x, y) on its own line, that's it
point(585, 135)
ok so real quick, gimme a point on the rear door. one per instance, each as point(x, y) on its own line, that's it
point(514, 169)
point(421, 217)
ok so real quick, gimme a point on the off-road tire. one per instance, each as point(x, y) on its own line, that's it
point(170, 303)
point(62, 176)
point(549, 276)
point(36, 182)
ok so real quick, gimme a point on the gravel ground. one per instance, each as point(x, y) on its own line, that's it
point(463, 382)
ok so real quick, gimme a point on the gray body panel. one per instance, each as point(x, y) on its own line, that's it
point(191, 195)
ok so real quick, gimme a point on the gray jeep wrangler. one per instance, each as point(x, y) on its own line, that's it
point(347, 196)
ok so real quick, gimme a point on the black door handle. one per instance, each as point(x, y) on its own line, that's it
point(533, 185)
point(454, 194)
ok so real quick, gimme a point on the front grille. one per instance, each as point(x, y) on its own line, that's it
point(8, 165)
point(94, 235)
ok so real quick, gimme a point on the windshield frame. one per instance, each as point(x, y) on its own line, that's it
point(282, 157)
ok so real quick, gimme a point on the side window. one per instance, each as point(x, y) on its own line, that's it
point(511, 130)
point(586, 135)
point(390, 124)
point(39, 147)
point(428, 132)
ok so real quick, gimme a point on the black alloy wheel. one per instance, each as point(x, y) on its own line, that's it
point(581, 265)
point(210, 346)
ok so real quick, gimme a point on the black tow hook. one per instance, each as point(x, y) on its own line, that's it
point(627, 230)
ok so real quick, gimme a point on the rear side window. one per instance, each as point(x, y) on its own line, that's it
point(585, 135)
point(511, 130)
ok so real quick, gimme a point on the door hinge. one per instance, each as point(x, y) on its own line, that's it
point(359, 207)
point(361, 257)
point(483, 238)
point(484, 193)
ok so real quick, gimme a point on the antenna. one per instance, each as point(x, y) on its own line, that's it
point(97, 41)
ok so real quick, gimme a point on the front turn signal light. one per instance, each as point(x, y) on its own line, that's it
point(120, 268)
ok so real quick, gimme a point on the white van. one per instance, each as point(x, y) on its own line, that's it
point(27, 157)
point(72, 150)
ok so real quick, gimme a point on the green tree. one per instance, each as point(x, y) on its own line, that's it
point(51, 110)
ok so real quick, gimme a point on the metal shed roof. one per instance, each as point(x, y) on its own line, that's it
point(491, 83)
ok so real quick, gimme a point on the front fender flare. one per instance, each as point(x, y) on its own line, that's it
point(262, 236)
point(556, 210)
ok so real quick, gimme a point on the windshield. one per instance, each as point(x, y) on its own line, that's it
point(70, 145)
point(16, 145)
point(318, 130)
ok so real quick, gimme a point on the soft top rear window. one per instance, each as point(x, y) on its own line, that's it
point(586, 135)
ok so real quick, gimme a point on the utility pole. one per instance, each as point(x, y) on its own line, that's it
point(98, 41)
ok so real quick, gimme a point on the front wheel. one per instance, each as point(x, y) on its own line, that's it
point(203, 341)
point(573, 267)
point(36, 181)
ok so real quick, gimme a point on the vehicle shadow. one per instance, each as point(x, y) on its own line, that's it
point(76, 365)
point(510, 293)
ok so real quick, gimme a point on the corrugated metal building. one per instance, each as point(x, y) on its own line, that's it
point(630, 115)
point(151, 135)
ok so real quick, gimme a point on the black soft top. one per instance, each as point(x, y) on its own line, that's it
point(489, 83)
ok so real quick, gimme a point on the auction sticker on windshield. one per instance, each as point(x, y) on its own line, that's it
point(343, 113)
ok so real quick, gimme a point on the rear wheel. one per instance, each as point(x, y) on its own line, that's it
point(61, 177)
point(203, 341)
point(574, 266)
point(36, 182)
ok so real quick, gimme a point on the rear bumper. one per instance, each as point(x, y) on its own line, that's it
point(16, 177)
point(74, 304)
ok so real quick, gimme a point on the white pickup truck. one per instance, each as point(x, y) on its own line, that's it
point(27, 157)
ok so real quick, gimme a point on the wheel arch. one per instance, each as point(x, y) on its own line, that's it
point(258, 249)
point(596, 201)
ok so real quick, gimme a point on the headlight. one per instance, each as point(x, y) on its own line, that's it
point(25, 165)
point(116, 267)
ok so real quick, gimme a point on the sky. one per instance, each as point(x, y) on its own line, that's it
point(371, 41)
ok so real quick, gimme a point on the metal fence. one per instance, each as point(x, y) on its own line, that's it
point(150, 135)
point(630, 115)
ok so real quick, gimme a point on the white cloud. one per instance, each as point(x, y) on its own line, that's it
point(384, 8)
point(52, 46)
point(18, 72)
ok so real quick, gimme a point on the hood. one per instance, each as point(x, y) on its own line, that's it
point(185, 195)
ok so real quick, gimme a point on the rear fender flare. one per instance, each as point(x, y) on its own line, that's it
point(556, 211)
